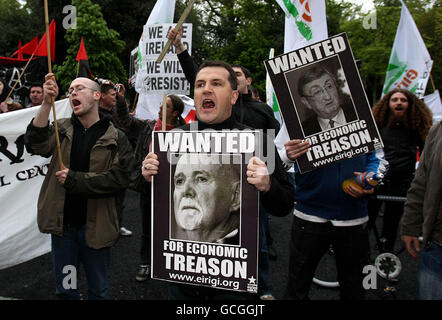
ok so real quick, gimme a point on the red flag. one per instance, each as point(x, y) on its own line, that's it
point(190, 117)
point(4, 61)
point(42, 49)
point(82, 54)
point(28, 48)
point(83, 63)
point(19, 51)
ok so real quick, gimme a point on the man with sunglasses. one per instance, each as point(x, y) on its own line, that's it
point(76, 204)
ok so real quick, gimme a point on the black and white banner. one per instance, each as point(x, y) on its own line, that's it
point(205, 213)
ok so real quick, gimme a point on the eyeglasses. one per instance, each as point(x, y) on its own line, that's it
point(319, 91)
point(78, 89)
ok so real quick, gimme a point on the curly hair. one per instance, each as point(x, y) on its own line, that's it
point(419, 116)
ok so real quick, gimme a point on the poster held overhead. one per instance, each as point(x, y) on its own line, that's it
point(322, 99)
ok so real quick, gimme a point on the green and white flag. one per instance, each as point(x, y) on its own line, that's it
point(270, 93)
point(305, 22)
point(410, 63)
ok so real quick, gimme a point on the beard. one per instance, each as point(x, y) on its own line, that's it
point(393, 119)
point(401, 119)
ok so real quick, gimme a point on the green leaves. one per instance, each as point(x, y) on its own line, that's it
point(102, 45)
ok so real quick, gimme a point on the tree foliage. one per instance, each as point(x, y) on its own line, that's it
point(373, 46)
point(15, 25)
point(128, 18)
point(36, 19)
point(237, 31)
point(243, 32)
point(102, 46)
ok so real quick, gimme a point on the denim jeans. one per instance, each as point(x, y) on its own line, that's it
point(429, 275)
point(71, 250)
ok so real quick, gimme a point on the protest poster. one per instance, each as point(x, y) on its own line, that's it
point(204, 212)
point(319, 83)
point(167, 76)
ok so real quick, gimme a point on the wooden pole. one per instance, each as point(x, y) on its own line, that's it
point(432, 82)
point(163, 120)
point(57, 138)
point(177, 28)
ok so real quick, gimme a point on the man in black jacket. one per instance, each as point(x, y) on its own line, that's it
point(140, 131)
point(215, 96)
point(108, 103)
point(248, 111)
point(252, 113)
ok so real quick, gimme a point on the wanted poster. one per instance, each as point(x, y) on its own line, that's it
point(204, 212)
point(167, 76)
point(322, 100)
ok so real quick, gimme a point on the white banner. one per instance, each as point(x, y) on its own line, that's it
point(433, 102)
point(148, 103)
point(21, 176)
point(410, 63)
point(162, 12)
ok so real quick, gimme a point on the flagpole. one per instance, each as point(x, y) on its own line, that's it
point(163, 121)
point(177, 28)
point(57, 138)
point(432, 82)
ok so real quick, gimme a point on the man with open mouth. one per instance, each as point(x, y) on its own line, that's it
point(76, 203)
point(215, 95)
point(403, 121)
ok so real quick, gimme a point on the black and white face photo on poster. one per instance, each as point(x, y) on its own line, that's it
point(321, 96)
point(206, 198)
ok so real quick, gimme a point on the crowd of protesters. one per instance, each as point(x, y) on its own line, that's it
point(90, 187)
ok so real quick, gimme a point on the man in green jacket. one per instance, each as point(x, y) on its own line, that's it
point(423, 216)
point(76, 204)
